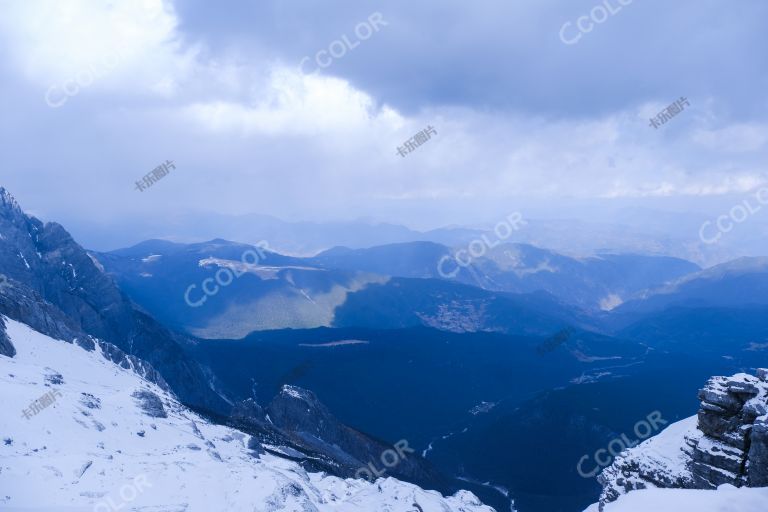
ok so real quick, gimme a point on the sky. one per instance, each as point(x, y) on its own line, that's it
point(297, 108)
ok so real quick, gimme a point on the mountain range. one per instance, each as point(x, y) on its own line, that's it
point(227, 359)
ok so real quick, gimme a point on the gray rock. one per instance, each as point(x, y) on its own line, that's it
point(742, 388)
point(310, 425)
point(6, 347)
point(150, 403)
point(90, 401)
point(59, 289)
point(757, 475)
point(249, 412)
point(753, 410)
point(730, 447)
point(54, 378)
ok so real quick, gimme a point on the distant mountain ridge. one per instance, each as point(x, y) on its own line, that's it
point(597, 282)
point(720, 308)
point(674, 234)
point(742, 282)
point(397, 285)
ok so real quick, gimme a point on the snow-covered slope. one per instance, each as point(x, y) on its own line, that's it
point(113, 441)
point(660, 461)
point(726, 498)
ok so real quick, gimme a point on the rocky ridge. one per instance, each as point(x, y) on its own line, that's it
point(725, 444)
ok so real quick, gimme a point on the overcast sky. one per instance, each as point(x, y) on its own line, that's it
point(528, 109)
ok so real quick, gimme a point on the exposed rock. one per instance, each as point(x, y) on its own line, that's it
point(757, 473)
point(150, 403)
point(54, 378)
point(249, 412)
point(729, 444)
point(6, 347)
point(54, 286)
point(309, 424)
point(722, 455)
point(90, 401)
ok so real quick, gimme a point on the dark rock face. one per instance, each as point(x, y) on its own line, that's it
point(757, 473)
point(150, 403)
point(729, 445)
point(309, 423)
point(298, 426)
point(90, 401)
point(250, 413)
point(60, 290)
point(733, 418)
point(25, 305)
point(6, 347)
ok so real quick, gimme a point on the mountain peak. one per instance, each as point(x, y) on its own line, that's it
point(7, 201)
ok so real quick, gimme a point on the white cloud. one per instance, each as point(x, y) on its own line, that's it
point(293, 103)
point(736, 138)
point(323, 142)
point(134, 45)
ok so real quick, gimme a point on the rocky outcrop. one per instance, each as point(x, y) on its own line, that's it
point(21, 303)
point(733, 418)
point(6, 347)
point(726, 443)
point(297, 425)
point(150, 403)
point(55, 286)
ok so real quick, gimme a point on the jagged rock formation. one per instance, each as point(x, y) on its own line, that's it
point(726, 443)
point(300, 412)
point(6, 347)
point(20, 302)
point(55, 286)
point(733, 420)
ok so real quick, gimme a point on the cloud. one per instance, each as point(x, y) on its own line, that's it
point(736, 138)
point(517, 113)
point(127, 45)
point(294, 103)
